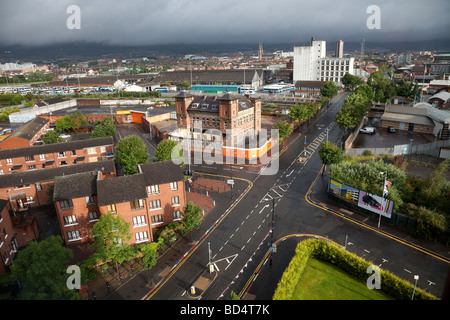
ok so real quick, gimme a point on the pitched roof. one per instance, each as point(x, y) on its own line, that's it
point(55, 147)
point(75, 185)
point(208, 103)
point(160, 172)
point(309, 84)
point(121, 189)
point(208, 76)
point(29, 129)
point(43, 175)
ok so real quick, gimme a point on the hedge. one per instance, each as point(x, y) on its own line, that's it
point(355, 266)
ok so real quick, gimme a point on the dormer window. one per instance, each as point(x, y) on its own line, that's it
point(195, 105)
point(205, 106)
point(215, 106)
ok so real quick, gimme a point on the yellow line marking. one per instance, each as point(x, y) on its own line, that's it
point(150, 295)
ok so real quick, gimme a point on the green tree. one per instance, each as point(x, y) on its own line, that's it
point(51, 136)
point(330, 153)
point(303, 111)
point(329, 89)
point(164, 149)
point(104, 128)
point(41, 268)
point(346, 117)
point(130, 152)
point(284, 129)
point(148, 251)
point(192, 217)
point(112, 234)
point(351, 81)
point(71, 122)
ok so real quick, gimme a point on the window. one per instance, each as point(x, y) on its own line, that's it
point(22, 186)
point(137, 204)
point(8, 161)
point(175, 201)
point(153, 189)
point(139, 221)
point(73, 235)
point(61, 154)
point(157, 219)
point(29, 158)
point(42, 157)
point(66, 204)
point(91, 150)
point(93, 216)
point(32, 167)
point(155, 204)
point(141, 236)
point(73, 152)
point(177, 215)
point(173, 186)
point(111, 208)
point(68, 220)
point(63, 163)
point(103, 149)
point(90, 200)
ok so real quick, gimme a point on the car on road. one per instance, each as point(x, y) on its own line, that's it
point(391, 129)
point(369, 130)
point(371, 201)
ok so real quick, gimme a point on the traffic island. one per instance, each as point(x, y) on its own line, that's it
point(201, 284)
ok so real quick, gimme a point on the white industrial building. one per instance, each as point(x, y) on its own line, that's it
point(311, 64)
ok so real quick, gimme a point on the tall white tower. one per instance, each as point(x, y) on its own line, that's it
point(307, 60)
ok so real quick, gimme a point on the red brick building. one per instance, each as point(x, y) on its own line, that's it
point(8, 242)
point(55, 155)
point(26, 135)
point(151, 198)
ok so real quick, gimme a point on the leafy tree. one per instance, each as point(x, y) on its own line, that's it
point(330, 153)
point(41, 268)
point(329, 89)
point(130, 152)
point(51, 136)
point(149, 254)
point(164, 149)
point(104, 128)
point(111, 239)
point(284, 129)
point(351, 81)
point(192, 217)
point(184, 85)
point(346, 117)
point(303, 111)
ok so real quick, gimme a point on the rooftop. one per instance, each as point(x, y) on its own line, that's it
point(55, 147)
point(160, 172)
point(106, 109)
point(29, 129)
point(75, 185)
point(44, 175)
point(121, 189)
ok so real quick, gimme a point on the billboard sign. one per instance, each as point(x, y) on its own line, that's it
point(375, 203)
point(361, 198)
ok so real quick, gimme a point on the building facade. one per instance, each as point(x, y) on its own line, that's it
point(55, 155)
point(311, 64)
point(151, 198)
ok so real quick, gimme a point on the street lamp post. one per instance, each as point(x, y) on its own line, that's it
point(416, 277)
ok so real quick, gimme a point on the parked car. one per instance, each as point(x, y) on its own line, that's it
point(64, 136)
point(391, 129)
point(7, 130)
point(369, 130)
point(371, 201)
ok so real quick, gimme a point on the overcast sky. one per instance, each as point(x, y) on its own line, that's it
point(152, 22)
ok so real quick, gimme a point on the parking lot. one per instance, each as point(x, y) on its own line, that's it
point(385, 139)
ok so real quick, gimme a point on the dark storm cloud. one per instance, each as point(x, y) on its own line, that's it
point(147, 22)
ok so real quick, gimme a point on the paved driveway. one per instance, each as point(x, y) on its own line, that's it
point(384, 139)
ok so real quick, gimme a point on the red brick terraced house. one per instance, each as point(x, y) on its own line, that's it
point(151, 198)
point(55, 155)
point(26, 135)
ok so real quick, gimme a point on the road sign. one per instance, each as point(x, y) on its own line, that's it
point(230, 181)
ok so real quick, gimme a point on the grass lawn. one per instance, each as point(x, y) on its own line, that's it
point(323, 281)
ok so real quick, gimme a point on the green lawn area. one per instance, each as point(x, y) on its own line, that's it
point(323, 281)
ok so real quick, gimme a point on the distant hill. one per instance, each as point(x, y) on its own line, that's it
point(86, 50)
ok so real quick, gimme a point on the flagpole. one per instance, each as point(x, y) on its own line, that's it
point(384, 186)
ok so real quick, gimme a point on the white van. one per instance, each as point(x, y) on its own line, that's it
point(369, 130)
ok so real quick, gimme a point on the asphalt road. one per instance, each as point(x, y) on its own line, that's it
point(240, 239)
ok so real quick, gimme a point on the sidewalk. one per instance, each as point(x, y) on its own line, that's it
point(320, 197)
